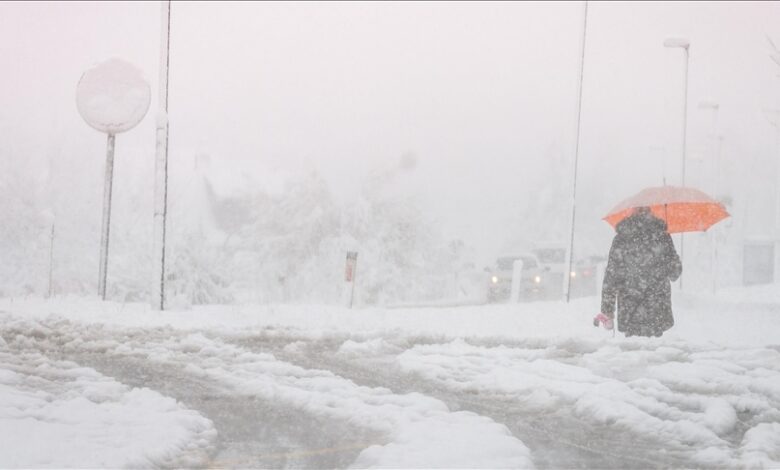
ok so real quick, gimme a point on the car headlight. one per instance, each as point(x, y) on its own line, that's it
point(494, 279)
point(538, 279)
point(573, 274)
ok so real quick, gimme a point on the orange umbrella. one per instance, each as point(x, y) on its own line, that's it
point(683, 209)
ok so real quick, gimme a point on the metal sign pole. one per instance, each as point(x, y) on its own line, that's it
point(103, 271)
point(112, 97)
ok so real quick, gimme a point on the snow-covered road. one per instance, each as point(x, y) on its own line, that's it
point(557, 439)
point(317, 387)
point(251, 432)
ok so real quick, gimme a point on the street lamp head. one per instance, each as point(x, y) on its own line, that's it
point(677, 42)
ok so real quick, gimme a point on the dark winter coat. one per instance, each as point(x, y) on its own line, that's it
point(642, 262)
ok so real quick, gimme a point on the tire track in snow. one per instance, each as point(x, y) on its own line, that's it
point(252, 432)
point(421, 430)
point(556, 441)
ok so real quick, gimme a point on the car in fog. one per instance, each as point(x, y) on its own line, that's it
point(534, 283)
point(584, 276)
point(583, 273)
point(552, 257)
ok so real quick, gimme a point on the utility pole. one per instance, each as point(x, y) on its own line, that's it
point(685, 45)
point(570, 251)
point(161, 163)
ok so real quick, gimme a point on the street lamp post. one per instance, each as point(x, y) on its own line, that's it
point(685, 45)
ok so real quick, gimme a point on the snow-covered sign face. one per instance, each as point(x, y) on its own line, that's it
point(113, 96)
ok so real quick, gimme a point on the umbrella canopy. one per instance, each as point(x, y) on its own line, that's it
point(683, 209)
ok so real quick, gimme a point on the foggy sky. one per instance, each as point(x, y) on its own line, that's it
point(484, 94)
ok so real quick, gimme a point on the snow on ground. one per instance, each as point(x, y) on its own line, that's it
point(735, 317)
point(695, 399)
point(710, 387)
point(55, 414)
point(725, 319)
point(421, 430)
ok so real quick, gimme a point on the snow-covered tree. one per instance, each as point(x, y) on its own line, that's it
point(24, 233)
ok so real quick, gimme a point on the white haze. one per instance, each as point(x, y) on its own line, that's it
point(482, 94)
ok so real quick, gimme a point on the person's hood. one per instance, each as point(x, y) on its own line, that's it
point(638, 223)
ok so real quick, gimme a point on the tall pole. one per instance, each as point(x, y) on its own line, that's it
point(161, 163)
point(103, 269)
point(685, 117)
point(683, 44)
point(570, 251)
point(684, 155)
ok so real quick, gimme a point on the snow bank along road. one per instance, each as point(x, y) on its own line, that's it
point(77, 393)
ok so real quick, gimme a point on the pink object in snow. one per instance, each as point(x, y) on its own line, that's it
point(604, 320)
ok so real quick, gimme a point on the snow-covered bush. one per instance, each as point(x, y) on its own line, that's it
point(231, 238)
point(24, 233)
point(197, 274)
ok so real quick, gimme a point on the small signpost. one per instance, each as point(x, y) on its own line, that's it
point(349, 274)
point(112, 97)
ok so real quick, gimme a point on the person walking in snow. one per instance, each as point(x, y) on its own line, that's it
point(641, 266)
